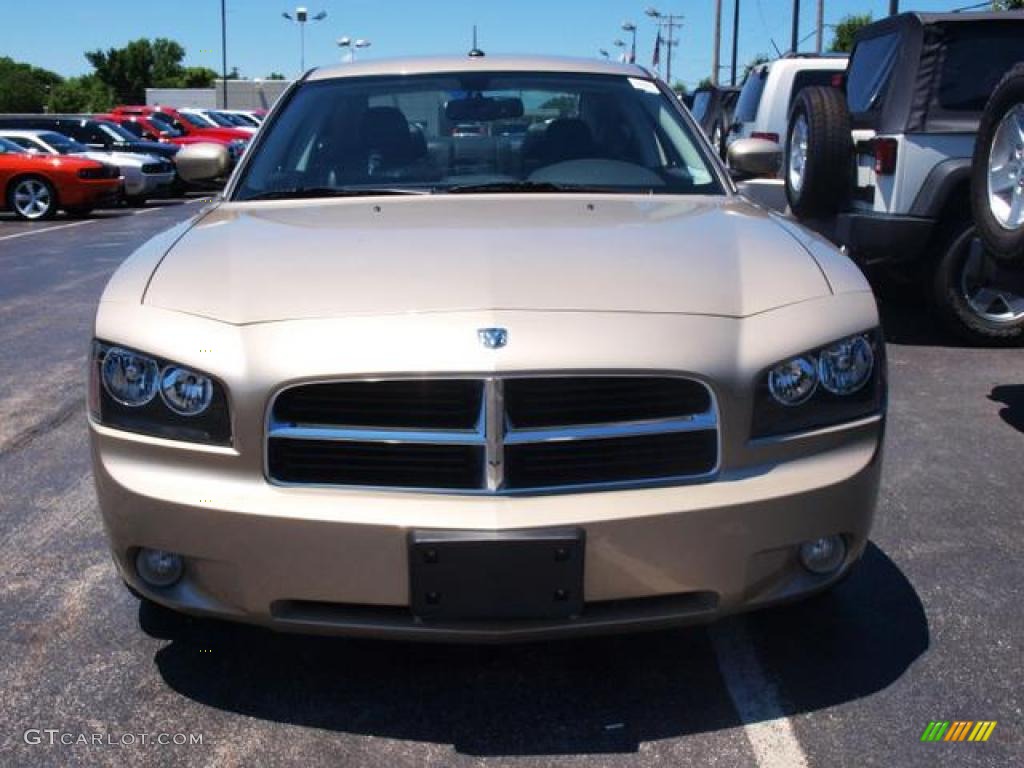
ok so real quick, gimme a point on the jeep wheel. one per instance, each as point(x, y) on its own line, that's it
point(980, 298)
point(819, 151)
point(997, 171)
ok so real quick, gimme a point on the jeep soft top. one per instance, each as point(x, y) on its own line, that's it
point(921, 72)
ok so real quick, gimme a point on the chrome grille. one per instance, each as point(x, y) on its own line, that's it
point(494, 434)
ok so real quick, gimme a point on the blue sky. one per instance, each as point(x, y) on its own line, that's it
point(54, 33)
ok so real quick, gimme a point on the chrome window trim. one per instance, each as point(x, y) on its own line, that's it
point(493, 432)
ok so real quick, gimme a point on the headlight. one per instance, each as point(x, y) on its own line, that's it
point(794, 381)
point(192, 405)
point(129, 378)
point(839, 382)
point(846, 367)
point(185, 392)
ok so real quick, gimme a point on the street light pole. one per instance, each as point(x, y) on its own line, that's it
point(894, 7)
point(224, 51)
point(301, 17)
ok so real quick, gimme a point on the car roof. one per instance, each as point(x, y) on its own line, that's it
point(423, 65)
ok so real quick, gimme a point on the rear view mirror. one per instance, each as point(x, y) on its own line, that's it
point(752, 158)
point(202, 162)
point(479, 109)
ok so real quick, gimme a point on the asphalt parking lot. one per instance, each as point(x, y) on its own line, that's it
point(928, 627)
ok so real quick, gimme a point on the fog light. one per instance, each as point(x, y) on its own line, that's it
point(823, 555)
point(158, 568)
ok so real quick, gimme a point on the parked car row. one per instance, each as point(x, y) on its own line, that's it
point(138, 145)
point(895, 156)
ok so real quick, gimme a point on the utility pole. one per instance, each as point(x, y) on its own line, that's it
point(820, 26)
point(716, 50)
point(795, 38)
point(894, 7)
point(224, 51)
point(670, 22)
point(735, 36)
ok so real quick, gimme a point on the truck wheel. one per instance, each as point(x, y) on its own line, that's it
point(997, 171)
point(978, 297)
point(819, 152)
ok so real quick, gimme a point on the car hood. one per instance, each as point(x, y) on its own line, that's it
point(259, 262)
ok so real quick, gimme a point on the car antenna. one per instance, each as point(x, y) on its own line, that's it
point(475, 53)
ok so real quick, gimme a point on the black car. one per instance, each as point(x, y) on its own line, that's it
point(96, 134)
point(713, 106)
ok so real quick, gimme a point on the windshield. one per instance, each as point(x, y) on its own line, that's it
point(228, 120)
point(116, 132)
point(448, 133)
point(162, 122)
point(196, 120)
point(62, 143)
point(8, 147)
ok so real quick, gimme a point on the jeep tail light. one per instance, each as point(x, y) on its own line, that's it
point(839, 80)
point(765, 135)
point(885, 156)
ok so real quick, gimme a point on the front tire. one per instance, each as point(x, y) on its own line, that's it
point(32, 198)
point(978, 298)
point(819, 153)
point(997, 170)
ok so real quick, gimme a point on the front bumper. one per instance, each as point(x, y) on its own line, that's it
point(335, 561)
point(147, 184)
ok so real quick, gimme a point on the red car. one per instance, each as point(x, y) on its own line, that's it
point(144, 128)
point(35, 186)
point(190, 125)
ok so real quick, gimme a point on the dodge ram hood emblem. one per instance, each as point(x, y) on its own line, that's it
point(493, 338)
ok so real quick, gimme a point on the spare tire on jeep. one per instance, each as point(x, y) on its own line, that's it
point(819, 152)
point(997, 170)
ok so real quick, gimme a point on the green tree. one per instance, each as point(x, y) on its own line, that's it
point(24, 88)
point(705, 83)
point(195, 77)
point(680, 88)
point(846, 30)
point(275, 76)
point(81, 94)
point(139, 65)
point(1009, 5)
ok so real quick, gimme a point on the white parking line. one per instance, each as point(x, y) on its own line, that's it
point(756, 701)
point(49, 229)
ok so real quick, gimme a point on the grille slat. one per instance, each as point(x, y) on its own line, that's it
point(563, 432)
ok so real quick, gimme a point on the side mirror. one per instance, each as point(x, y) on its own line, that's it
point(202, 162)
point(754, 158)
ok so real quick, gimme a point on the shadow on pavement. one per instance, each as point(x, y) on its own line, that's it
point(599, 695)
point(1012, 396)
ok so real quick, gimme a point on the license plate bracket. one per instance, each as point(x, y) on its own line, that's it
point(480, 575)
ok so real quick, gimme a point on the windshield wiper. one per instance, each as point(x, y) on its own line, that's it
point(296, 193)
point(524, 186)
